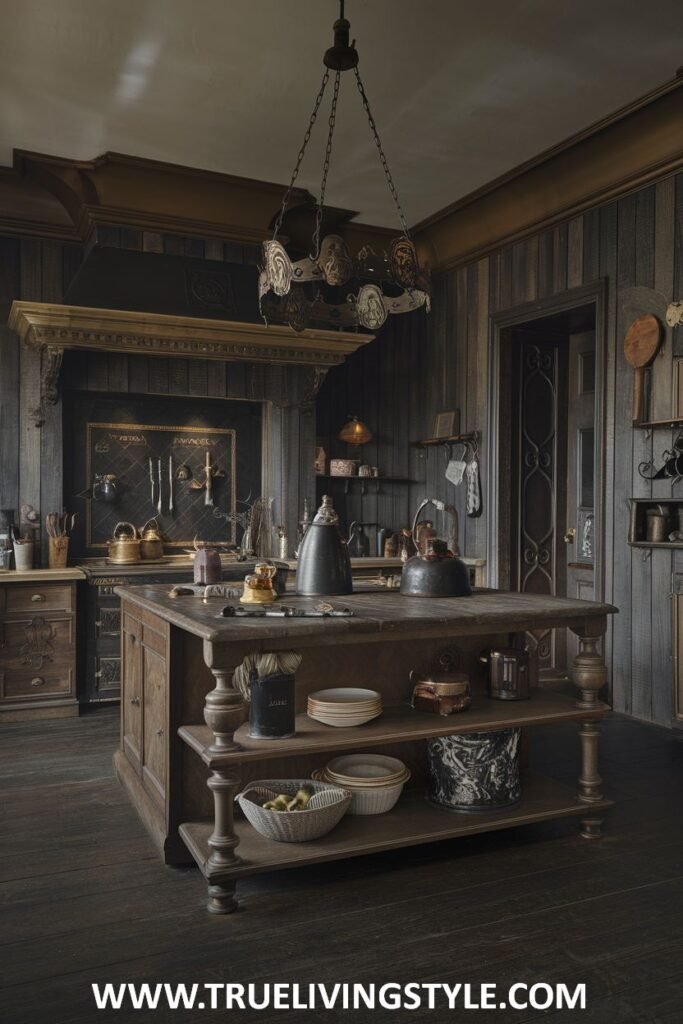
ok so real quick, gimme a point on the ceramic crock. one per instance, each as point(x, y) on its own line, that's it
point(478, 771)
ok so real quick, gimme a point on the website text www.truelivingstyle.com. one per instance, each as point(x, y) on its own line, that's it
point(339, 996)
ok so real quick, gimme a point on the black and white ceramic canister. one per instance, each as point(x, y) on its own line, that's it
point(478, 771)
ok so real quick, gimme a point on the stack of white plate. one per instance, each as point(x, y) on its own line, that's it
point(344, 707)
point(375, 781)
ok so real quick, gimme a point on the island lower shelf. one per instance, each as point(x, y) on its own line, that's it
point(397, 724)
point(412, 822)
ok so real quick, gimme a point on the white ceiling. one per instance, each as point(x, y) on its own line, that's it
point(461, 91)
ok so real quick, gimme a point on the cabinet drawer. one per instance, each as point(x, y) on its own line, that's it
point(33, 644)
point(54, 682)
point(37, 597)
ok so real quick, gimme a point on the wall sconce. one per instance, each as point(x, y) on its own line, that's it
point(355, 432)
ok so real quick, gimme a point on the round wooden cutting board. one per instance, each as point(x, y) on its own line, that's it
point(641, 345)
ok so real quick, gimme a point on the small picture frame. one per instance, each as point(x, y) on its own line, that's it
point(446, 424)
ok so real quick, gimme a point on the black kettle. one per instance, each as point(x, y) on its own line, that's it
point(434, 572)
point(324, 566)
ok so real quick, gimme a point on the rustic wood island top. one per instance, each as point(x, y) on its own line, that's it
point(375, 615)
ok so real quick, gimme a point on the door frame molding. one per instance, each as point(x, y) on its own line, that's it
point(497, 540)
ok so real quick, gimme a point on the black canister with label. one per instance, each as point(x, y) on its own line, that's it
point(272, 707)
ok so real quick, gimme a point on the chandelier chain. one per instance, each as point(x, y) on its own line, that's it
point(326, 167)
point(302, 151)
point(382, 156)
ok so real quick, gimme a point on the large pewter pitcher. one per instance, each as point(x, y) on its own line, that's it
point(324, 566)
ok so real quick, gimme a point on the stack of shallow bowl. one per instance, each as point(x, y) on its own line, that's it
point(375, 781)
point(344, 707)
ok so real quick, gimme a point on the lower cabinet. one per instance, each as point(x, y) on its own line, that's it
point(37, 650)
point(144, 695)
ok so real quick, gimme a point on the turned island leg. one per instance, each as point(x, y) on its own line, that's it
point(224, 712)
point(590, 675)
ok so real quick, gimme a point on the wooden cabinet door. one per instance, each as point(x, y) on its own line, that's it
point(131, 693)
point(154, 731)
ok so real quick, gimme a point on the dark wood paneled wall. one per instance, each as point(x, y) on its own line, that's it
point(415, 370)
point(31, 457)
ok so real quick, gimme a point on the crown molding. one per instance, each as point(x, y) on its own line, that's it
point(51, 328)
point(53, 197)
point(638, 144)
point(153, 196)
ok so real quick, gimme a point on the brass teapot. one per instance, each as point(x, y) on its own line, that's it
point(124, 547)
point(151, 544)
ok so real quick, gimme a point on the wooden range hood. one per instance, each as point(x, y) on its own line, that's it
point(51, 329)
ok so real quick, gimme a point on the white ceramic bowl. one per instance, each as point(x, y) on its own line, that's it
point(376, 769)
point(374, 800)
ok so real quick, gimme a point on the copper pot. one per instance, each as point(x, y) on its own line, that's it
point(442, 693)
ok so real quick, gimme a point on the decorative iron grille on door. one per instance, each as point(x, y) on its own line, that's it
point(537, 469)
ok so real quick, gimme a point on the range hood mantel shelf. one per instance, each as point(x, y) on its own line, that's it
point(53, 328)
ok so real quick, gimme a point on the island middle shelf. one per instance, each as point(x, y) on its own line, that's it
point(398, 723)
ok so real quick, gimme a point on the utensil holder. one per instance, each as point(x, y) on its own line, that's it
point(58, 552)
point(23, 555)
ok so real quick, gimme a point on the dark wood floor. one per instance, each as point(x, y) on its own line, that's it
point(84, 897)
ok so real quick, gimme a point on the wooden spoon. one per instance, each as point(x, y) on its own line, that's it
point(641, 345)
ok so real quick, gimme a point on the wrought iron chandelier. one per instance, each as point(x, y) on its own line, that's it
point(329, 286)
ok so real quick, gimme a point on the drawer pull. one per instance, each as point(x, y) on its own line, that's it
point(37, 598)
point(37, 681)
point(135, 701)
point(160, 732)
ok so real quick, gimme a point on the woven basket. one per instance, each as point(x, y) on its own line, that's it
point(326, 808)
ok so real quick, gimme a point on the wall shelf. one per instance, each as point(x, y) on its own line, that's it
point(675, 421)
point(472, 437)
point(363, 480)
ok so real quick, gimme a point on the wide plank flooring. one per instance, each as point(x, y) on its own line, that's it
point(84, 898)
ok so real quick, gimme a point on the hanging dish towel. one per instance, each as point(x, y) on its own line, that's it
point(455, 471)
point(473, 489)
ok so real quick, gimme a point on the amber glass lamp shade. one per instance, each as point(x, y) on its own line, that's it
point(355, 432)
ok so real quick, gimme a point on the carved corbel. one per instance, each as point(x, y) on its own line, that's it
point(316, 379)
point(51, 357)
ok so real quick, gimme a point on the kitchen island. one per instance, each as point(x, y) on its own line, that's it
point(185, 752)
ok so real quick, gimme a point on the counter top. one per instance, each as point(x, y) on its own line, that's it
point(374, 562)
point(374, 616)
point(41, 575)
